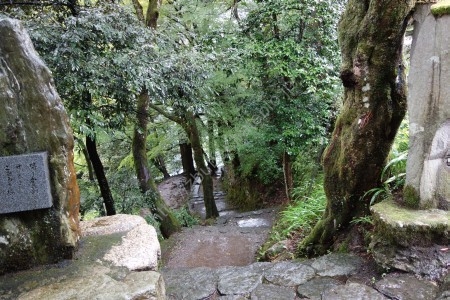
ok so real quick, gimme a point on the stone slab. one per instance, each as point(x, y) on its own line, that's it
point(399, 286)
point(337, 264)
point(139, 248)
point(24, 183)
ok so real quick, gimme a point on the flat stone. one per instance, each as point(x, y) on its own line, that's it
point(97, 284)
point(139, 249)
point(195, 283)
point(289, 274)
point(272, 292)
point(314, 288)
point(238, 280)
point(337, 264)
point(441, 8)
point(254, 222)
point(400, 218)
point(399, 286)
point(353, 291)
point(24, 183)
point(110, 224)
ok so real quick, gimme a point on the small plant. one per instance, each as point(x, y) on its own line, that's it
point(366, 220)
point(390, 181)
point(185, 217)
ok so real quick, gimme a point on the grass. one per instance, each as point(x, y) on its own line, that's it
point(298, 218)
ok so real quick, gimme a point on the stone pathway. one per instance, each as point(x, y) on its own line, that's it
point(217, 262)
point(331, 277)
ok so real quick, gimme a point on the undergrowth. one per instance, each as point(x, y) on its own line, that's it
point(298, 218)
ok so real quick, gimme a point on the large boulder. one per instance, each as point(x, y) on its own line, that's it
point(33, 119)
point(117, 258)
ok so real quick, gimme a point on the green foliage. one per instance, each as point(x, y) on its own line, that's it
point(103, 51)
point(300, 216)
point(393, 174)
point(290, 63)
point(185, 217)
point(366, 220)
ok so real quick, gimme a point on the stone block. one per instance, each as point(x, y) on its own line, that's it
point(414, 241)
point(24, 183)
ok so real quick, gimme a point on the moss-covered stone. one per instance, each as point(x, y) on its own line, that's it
point(410, 240)
point(441, 8)
point(411, 197)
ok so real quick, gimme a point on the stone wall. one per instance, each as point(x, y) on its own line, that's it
point(33, 119)
point(428, 170)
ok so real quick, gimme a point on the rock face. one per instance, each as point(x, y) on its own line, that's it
point(428, 166)
point(112, 262)
point(33, 119)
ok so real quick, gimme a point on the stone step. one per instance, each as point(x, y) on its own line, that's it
point(328, 277)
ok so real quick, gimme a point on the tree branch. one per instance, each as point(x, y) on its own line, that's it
point(166, 114)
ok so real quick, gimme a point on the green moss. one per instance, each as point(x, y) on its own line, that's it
point(411, 197)
point(441, 8)
point(401, 226)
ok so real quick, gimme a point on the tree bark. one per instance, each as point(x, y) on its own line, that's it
point(97, 164)
point(370, 35)
point(152, 13)
point(212, 148)
point(169, 224)
point(288, 177)
point(100, 175)
point(188, 163)
point(159, 163)
point(207, 183)
point(86, 158)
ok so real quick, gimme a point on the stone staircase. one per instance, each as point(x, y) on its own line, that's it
point(218, 262)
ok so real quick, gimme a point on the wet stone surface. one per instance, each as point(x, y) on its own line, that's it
point(217, 262)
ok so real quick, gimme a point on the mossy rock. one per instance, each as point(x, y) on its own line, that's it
point(407, 227)
point(441, 8)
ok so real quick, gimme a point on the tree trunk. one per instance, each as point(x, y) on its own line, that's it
point(370, 35)
point(169, 224)
point(221, 143)
point(212, 148)
point(287, 172)
point(188, 163)
point(207, 183)
point(152, 13)
point(159, 163)
point(86, 158)
point(101, 177)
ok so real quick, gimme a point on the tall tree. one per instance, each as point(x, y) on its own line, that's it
point(370, 35)
point(168, 221)
point(187, 120)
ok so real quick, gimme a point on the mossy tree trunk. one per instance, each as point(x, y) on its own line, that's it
point(188, 163)
point(168, 221)
point(370, 36)
point(191, 129)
